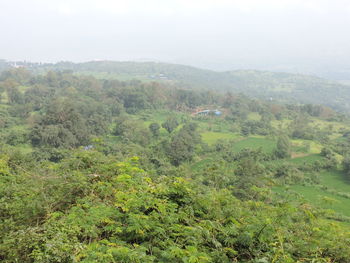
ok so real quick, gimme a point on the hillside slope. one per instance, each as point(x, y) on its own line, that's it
point(260, 84)
point(286, 87)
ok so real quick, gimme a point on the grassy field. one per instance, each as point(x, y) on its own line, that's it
point(212, 137)
point(306, 159)
point(330, 125)
point(335, 180)
point(321, 198)
point(313, 146)
point(315, 195)
point(327, 195)
point(267, 145)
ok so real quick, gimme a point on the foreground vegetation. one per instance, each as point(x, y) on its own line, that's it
point(125, 171)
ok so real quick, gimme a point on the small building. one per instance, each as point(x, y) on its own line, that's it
point(217, 113)
point(208, 112)
point(203, 112)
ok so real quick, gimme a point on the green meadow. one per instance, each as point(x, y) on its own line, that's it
point(267, 145)
point(212, 137)
point(320, 198)
point(331, 193)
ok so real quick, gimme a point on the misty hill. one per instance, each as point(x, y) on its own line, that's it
point(287, 87)
point(261, 84)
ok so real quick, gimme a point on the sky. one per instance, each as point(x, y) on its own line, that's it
point(217, 34)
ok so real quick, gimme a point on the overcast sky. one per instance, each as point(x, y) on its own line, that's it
point(209, 33)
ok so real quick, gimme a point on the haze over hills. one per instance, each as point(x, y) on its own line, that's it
point(286, 87)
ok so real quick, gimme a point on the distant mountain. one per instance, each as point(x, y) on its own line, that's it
point(285, 87)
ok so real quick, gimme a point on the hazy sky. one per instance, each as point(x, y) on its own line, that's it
point(209, 33)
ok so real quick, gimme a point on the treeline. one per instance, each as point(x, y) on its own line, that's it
point(292, 88)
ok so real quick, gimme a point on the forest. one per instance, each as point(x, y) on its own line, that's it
point(99, 167)
point(279, 86)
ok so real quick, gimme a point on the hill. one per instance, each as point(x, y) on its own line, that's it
point(286, 87)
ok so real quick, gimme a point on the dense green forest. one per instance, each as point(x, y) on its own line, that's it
point(96, 167)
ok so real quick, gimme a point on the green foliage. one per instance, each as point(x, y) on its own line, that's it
point(170, 124)
point(77, 194)
point(182, 146)
point(97, 124)
point(289, 173)
point(132, 131)
point(283, 149)
point(301, 129)
point(14, 95)
point(61, 126)
point(154, 128)
point(255, 127)
point(267, 145)
point(250, 174)
point(119, 214)
point(134, 100)
point(258, 84)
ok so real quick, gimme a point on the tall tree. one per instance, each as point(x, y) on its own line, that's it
point(61, 126)
point(170, 124)
point(154, 128)
point(183, 144)
point(283, 149)
point(14, 95)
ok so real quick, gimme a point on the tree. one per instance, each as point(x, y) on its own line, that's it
point(330, 158)
point(14, 95)
point(283, 149)
point(134, 100)
point(154, 128)
point(250, 174)
point(182, 146)
point(20, 75)
point(301, 129)
point(132, 131)
point(97, 124)
point(37, 96)
point(61, 126)
point(170, 124)
point(326, 152)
